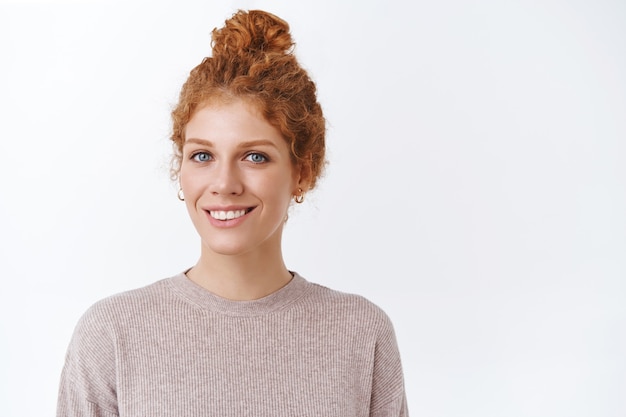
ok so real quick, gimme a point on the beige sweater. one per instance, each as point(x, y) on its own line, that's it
point(173, 349)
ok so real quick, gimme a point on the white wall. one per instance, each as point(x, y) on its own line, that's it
point(476, 191)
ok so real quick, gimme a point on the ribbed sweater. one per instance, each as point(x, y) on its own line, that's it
point(174, 349)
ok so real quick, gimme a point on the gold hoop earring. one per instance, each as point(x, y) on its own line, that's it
point(299, 198)
point(180, 195)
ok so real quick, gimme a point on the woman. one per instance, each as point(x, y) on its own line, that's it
point(238, 334)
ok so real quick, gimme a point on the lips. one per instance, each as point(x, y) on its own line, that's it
point(229, 214)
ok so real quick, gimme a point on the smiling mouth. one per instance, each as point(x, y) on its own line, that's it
point(230, 214)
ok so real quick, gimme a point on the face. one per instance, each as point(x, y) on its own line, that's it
point(237, 178)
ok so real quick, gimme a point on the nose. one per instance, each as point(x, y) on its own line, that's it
point(226, 179)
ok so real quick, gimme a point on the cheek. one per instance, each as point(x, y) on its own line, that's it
point(281, 196)
point(188, 182)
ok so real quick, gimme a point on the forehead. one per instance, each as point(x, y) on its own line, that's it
point(232, 120)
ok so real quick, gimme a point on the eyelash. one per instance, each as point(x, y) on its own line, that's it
point(194, 156)
point(265, 158)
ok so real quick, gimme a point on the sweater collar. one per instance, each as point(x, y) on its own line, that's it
point(280, 299)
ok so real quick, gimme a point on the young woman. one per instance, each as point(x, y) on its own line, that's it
point(238, 334)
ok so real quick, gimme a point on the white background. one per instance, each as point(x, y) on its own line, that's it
point(476, 189)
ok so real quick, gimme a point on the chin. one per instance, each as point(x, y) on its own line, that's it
point(227, 248)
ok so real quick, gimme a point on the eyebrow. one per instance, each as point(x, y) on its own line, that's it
point(198, 141)
point(247, 144)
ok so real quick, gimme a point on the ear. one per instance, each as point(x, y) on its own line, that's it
point(303, 177)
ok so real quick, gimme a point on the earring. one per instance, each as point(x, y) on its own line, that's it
point(180, 194)
point(299, 198)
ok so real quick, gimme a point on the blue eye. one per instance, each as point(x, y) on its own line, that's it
point(256, 158)
point(201, 157)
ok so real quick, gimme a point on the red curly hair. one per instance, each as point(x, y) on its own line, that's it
point(252, 59)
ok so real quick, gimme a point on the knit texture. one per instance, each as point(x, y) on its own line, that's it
point(173, 349)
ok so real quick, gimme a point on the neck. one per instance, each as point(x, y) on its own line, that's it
point(243, 277)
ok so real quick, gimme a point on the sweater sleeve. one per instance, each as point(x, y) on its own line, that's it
point(388, 393)
point(87, 387)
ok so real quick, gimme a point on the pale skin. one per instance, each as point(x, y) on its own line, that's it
point(238, 181)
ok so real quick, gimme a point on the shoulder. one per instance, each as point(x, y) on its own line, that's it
point(90, 369)
point(345, 300)
point(108, 313)
point(353, 308)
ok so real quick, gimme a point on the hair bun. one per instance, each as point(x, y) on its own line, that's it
point(252, 32)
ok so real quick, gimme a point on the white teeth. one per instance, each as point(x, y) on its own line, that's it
point(227, 215)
